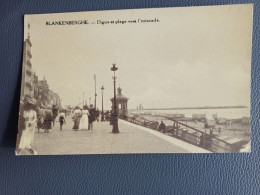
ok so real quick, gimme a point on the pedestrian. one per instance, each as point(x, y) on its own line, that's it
point(219, 130)
point(97, 115)
point(211, 132)
point(107, 116)
point(202, 139)
point(76, 118)
point(55, 112)
point(40, 117)
point(62, 120)
point(173, 128)
point(28, 119)
point(162, 127)
point(91, 117)
point(48, 119)
point(84, 119)
point(183, 135)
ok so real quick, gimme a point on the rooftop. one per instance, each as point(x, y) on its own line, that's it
point(119, 95)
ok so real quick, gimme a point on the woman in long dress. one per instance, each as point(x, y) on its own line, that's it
point(40, 117)
point(76, 118)
point(27, 127)
point(48, 119)
point(84, 119)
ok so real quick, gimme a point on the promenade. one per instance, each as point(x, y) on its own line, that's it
point(131, 139)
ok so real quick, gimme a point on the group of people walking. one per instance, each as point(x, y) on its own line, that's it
point(84, 119)
point(46, 117)
point(34, 115)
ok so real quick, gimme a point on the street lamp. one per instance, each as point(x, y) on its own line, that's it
point(114, 115)
point(95, 104)
point(83, 100)
point(102, 114)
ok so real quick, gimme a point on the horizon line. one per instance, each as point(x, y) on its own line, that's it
point(194, 107)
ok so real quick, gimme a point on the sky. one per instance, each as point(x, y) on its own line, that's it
point(194, 56)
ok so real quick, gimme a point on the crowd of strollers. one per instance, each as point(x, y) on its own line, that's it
point(33, 115)
point(84, 118)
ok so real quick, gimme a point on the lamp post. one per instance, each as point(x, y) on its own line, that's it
point(114, 115)
point(95, 103)
point(102, 113)
point(83, 100)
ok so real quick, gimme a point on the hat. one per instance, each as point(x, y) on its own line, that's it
point(42, 106)
point(21, 102)
point(29, 100)
point(54, 106)
point(39, 104)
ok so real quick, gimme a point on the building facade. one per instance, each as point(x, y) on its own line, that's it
point(27, 74)
point(31, 85)
point(46, 95)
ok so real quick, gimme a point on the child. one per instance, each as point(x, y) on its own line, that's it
point(62, 120)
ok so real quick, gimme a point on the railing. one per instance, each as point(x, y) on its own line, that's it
point(186, 133)
point(29, 63)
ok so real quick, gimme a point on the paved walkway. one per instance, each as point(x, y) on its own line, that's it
point(100, 140)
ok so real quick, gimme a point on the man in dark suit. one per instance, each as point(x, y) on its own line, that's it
point(91, 117)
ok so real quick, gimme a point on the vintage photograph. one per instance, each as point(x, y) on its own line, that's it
point(161, 80)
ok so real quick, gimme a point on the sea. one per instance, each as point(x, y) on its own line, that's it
point(229, 113)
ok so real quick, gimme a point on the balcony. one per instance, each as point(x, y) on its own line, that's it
point(29, 42)
point(29, 72)
point(29, 63)
point(28, 84)
point(29, 54)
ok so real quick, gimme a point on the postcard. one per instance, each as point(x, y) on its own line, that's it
point(161, 80)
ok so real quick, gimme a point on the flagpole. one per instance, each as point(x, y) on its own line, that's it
point(95, 91)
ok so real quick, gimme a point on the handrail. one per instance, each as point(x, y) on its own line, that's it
point(193, 141)
point(194, 129)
